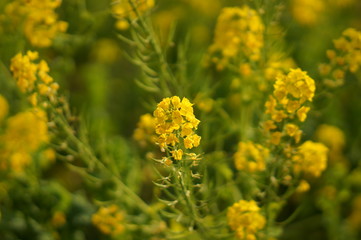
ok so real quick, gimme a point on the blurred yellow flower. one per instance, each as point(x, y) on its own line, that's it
point(304, 186)
point(311, 158)
point(123, 10)
point(238, 31)
point(251, 157)
point(144, 134)
point(307, 12)
point(109, 220)
point(25, 133)
point(40, 22)
point(345, 57)
point(331, 136)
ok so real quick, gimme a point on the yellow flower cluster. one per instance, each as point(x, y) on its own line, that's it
point(345, 57)
point(238, 31)
point(251, 157)
point(40, 24)
point(145, 131)
point(311, 158)
point(109, 220)
point(176, 123)
point(123, 10)
point(25, 133)
point(33, 78)
point(307, 12)
point(244, 217)
point(290, 94)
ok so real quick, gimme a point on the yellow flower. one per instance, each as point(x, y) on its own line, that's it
point(311, 158)
point(304, 186)
point(276, 138)
point(204, 103)
point(26, 131)
point(331, 136)
point(109, 220)
point(40, 22)
point(345, 57)
point(277, 65)
point(302, 113)
point(175, 121)
point(244, 217)
point(269, 125)
point(245, 69)
point(291, 129)
point(32, 78)
point(270, 105)
point(145, 131)
point(278, 116)
point(238, 31)
point(24, 70)
point(307, 12)
point(19, 160)
point(251, 157)
point(24, 134)
point(177, 154)
point(296, 84)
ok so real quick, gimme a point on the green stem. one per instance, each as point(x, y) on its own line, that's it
point(94, 161)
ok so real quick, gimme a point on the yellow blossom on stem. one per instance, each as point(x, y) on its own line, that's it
point(245, 218)
point(177, 154)
point(175, 123)
point(33, 78)
point(291, 93)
